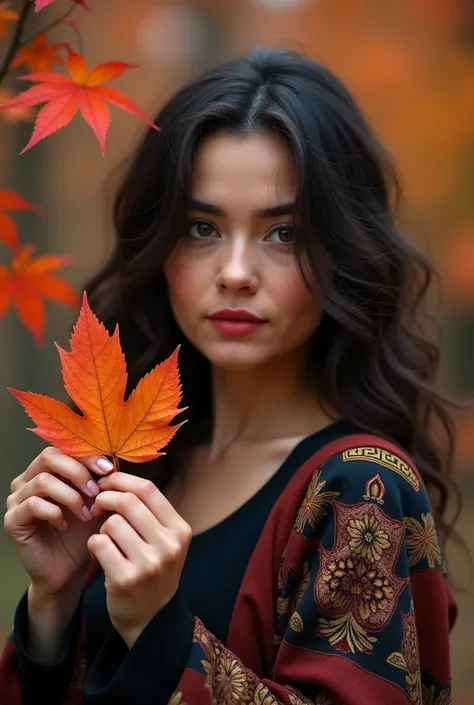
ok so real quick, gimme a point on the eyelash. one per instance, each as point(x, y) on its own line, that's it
point(279, 226)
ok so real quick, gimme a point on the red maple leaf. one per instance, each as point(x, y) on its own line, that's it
point(11, 201)
point(27, 282)
point(39, 55)
point(81, 90)
point(39, 4)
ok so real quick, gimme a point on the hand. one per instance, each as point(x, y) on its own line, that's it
point(48, 518)
point(141, 547)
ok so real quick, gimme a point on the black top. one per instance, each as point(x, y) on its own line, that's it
point(213, 572)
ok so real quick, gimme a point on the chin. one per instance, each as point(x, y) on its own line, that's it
point(240, 357)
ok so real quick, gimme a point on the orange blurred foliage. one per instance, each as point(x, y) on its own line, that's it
point(39, 55)
point(13, 115)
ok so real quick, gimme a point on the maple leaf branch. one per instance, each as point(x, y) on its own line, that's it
point(51, 25)
point(17, 39)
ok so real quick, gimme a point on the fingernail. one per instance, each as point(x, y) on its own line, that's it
point(104, 464)
point(101, 480)
point(86, 513)
point(93, 488)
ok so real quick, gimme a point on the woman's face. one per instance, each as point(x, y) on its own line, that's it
point(237, 257)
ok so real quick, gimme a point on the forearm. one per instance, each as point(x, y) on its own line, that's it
point(48, 618)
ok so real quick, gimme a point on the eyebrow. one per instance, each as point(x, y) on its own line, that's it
point(196, 204)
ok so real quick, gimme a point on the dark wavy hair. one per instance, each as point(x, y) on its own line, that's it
point(372, 363)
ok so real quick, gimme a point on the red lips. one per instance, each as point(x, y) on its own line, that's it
point(235, 314)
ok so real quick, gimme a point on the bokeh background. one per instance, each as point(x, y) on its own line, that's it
point(409, 63)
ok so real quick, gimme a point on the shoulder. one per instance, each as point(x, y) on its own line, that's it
point(377, 471)
point(371, 486)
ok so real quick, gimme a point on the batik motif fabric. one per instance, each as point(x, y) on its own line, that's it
point(345, 600)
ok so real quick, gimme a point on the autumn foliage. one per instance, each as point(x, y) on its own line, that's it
point(95, 377)
point(63, 84)
point(27, 281)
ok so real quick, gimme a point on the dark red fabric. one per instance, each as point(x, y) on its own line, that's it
point(282, 647)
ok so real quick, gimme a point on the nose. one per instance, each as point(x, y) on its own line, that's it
point(237, 271)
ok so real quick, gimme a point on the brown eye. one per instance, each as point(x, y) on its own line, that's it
point(283, 235)
point(201, 230)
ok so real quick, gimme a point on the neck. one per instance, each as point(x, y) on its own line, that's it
point(264, 403)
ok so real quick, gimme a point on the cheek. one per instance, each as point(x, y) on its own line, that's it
point(184, 280)
point(297, 303)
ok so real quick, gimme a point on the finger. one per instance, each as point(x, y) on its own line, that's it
point(132, 509)
point(47, 485)
point(126, 538)
point(147, 492)
point(116, 566)
point(21, 517)
point(97, 464)
point(52, 460)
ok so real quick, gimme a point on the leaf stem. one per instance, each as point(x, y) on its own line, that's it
point(79, 38)
point(16, 39)
point(51, 25)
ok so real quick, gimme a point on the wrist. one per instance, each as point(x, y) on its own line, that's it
point(43, 600)
point(49, 614)
point(53, 592)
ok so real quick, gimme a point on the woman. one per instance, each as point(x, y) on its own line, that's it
point(285, 551)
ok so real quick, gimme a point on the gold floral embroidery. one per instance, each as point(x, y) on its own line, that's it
point(312, 508)
point(367, 537)
point(262, 696)
point(304, 582)
point(286, 606)
point(356, 590)
point(282, 605)
point(430, 697)
point(346, 634)
point(374, 489)
point(227, 679)
point(202, 637)
point(296, 623)
point(176, 699)
point(408, 658)
point(357, 586)
point(296, 697)
point(422, 541)
point(388, 460)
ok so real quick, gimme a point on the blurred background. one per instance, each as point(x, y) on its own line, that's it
point(409, 63)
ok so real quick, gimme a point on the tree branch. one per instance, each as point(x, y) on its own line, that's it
point(49, 26)
point(16, 39)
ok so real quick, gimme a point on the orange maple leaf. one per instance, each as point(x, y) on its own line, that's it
point(39, 4)
point(6, 16)
point(11, 201)
point(81, 90)
point(13, 114)
point(95, 377)
point(39, 55)
point(27, 282)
